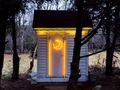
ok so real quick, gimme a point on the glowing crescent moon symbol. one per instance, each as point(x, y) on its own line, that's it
point(57, 44)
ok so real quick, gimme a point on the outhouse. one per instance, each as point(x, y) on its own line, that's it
point(56, 31)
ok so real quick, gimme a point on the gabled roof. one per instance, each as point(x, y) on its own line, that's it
point(60, 19)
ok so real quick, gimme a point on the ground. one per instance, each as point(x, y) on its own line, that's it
point(97, 78)
point(111, 83)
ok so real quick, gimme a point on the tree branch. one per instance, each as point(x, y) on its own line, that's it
point(93, 53)
point(93, 32)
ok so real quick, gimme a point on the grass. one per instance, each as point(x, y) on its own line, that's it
point(99, 60)
point(107, 83)
point(94, 60)
point(24, 65)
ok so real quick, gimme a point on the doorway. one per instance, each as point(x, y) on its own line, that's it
point(57, 56)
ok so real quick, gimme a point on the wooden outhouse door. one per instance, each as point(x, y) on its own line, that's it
point(57, 62)
point(57, 59)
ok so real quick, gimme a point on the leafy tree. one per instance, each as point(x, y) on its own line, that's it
point(9, 9)
point(15, 8)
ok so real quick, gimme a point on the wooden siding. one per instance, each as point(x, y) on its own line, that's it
point(43, 57)
point(83, 62)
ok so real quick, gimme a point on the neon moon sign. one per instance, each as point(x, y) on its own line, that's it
point(57, 44)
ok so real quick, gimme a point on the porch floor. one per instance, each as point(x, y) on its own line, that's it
point(35, 78)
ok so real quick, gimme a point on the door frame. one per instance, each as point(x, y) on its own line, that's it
point(50, 56)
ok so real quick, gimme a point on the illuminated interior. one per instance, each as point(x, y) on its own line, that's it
point(58, 44)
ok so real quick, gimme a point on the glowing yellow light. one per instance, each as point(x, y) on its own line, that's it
point(57, 44)
point(64, 60)
point(49, 59)
point(50, 62)
point(69, 31)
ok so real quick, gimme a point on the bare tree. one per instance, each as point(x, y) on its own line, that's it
point(15, 74)
point(2, 43)
point(111, 38)
point(74, 74)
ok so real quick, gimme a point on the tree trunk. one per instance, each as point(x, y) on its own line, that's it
point(108, 43)
point(21, 40)
point(32, 61)
point(74, 73)
point(2, 46)
point(109, 58)
point(110, 51)
point(15, 74)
